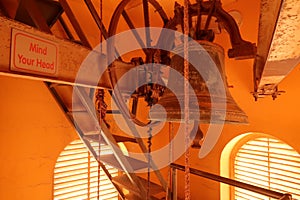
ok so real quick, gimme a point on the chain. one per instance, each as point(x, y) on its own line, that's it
point(99, 100)
point(149, 161)
point(171, 135)
point(101, 109)
point(186, 100)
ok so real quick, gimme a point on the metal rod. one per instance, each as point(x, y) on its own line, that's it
point(263, 191)
point(75, 23)
point(174, 184)
point(97, 18)
point(133, 29)
point(66, 28)
point(147, 22)
point(99, 22)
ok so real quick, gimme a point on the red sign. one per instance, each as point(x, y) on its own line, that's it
point(33, 54)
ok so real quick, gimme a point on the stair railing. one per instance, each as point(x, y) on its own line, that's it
point(235, 183)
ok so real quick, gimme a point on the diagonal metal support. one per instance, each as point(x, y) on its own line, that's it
point(75, 23)
point(36, 15)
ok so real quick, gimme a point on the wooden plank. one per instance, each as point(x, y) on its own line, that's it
point(70, 58)
point(278, 44)
point(269, 10)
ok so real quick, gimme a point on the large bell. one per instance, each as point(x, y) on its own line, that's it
point(204, 91)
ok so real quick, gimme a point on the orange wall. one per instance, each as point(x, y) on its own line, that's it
point(33, 132)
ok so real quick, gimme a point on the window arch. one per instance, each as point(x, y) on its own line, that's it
point(76, 175)
point(265, 162)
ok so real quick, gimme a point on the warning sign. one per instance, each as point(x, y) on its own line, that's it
point(32, 54)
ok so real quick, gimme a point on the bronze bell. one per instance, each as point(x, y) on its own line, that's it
point(211, 53)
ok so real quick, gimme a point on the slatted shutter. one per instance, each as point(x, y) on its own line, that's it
point(76, 175)
point(267, 163)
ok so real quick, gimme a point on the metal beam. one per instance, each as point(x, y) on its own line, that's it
point(278, 50)
point(10, 7)
point(34, 12)
point(70, 57)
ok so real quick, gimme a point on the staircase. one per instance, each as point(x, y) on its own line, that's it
point(81, 114)
point(78, 105)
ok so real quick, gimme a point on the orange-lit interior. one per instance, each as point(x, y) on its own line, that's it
point(34, 130)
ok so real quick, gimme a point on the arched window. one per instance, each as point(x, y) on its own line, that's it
point(76, 175)
point(266, 162)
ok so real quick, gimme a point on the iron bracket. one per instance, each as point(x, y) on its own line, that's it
point(267, 90)
point(241, 49)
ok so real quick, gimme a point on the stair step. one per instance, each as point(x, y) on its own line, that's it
point(118, 138)
point(132, 196)
point(124, 182)
point(84, 121)
point(113, 112)
point(111, 160)
point(93, 138)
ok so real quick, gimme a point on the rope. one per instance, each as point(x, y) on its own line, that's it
point(186, 100)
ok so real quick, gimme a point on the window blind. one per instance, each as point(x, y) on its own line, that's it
point(268, 163)
point(76, 175)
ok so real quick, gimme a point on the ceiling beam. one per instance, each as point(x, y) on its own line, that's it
point(10, 7)
point(278, 50)
point(70, 57)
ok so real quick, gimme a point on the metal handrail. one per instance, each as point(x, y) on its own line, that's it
point(263, 191)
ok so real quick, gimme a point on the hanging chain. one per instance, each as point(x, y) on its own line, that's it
point(186, 100)
point(149, 160)
point(101, 110)
point(171, 135)
point(99, 100)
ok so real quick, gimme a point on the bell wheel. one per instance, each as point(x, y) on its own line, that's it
point(131, 15)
